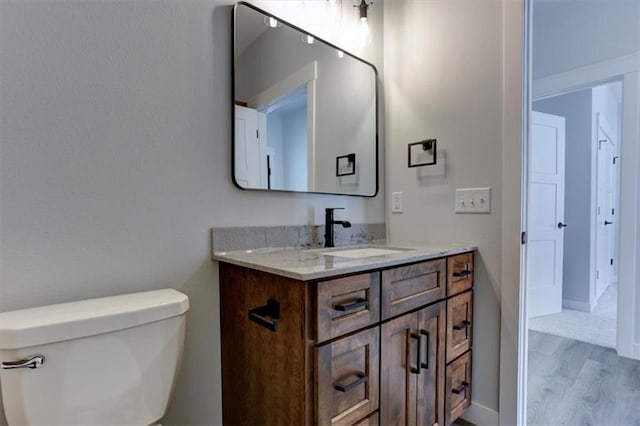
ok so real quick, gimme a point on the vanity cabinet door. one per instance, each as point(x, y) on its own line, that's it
point(460, 269)
point(431, 327)
point(347, 304)
point(398, 384)
point(409, 287)
point(412, 368)
point(347, 375)
point(459, 325)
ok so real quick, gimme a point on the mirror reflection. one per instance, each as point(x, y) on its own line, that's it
point(305, 111)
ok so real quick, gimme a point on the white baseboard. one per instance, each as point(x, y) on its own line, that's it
point(577, 306)
point(480, 415)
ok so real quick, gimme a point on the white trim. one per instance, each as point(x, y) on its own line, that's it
point(629, 208)
point(480, 415)
point(515, 116)
point(577, 306)
point(636, 351)
point(296, 79)
point(586, 76)
point(311, 133)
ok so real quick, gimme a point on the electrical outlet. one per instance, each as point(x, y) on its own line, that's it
point(396, 202)
point(473, 200)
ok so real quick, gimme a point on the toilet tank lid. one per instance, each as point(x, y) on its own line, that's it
point(64, 321)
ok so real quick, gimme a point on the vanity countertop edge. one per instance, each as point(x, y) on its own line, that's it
point(305, 264)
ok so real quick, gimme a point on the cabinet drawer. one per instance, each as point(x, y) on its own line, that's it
point(347, 304)
point(409, 287)
point(458, 387)
point(347, 378)
point(459, 325)
point(460, 269)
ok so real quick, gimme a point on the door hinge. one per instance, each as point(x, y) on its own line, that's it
point(611, 263)
point(613, 211)
point(614, 159)
point(597, 275)
point(257, 134)
point(523, 238)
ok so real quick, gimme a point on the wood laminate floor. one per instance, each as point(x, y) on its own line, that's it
point(576, 383)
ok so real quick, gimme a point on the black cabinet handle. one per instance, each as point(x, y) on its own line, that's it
point(460, 388)
point(346, 388)
point(425, 364)
point(464, 273)
point(606, 222)
point(352, 306)
point(561, 225)
point(416, 370)
point(267, 315)
point(462, 326)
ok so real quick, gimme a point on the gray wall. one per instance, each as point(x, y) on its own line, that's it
point(443, 79)
point(572, 34)
point(116, 126)
point(576, 108)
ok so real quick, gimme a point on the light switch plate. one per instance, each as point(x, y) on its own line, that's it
point(473, 200)
point(396, 202)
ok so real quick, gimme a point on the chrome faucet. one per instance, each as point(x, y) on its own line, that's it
point(328, 225)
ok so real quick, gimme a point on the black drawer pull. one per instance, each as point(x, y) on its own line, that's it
point(460, 388)
point(462, 274)
point(267, 315)
point(425, 365)
point(416, 370)
point(352, 306)
point(462, 326)
point(346, 388)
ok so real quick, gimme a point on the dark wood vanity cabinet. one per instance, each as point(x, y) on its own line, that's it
point(384, 347)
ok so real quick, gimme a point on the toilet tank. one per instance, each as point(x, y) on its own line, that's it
point(107, 361)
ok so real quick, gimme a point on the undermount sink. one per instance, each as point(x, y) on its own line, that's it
point(362, 253)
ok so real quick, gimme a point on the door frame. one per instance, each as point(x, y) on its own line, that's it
point(626, 70)
point(601, 123)
point(516, 101)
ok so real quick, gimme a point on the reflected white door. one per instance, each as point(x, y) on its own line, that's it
point(545, 215)
point(250, 156)
point(605, 207)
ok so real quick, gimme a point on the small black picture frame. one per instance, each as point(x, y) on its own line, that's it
point(415, 149)
point(346, 165)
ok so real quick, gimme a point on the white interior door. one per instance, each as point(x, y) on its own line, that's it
point(250, 150)
point(605, 207)
point(545, 215)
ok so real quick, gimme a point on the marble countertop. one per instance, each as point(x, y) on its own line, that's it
point(306, 264)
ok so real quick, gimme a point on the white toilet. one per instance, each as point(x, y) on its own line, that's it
point(107, 361)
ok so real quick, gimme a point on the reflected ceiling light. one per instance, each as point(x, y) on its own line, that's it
point(308, 39)
point(271, 22)
point(339, 53)
point(332, 2)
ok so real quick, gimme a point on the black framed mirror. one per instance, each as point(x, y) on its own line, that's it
point(300, 104)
